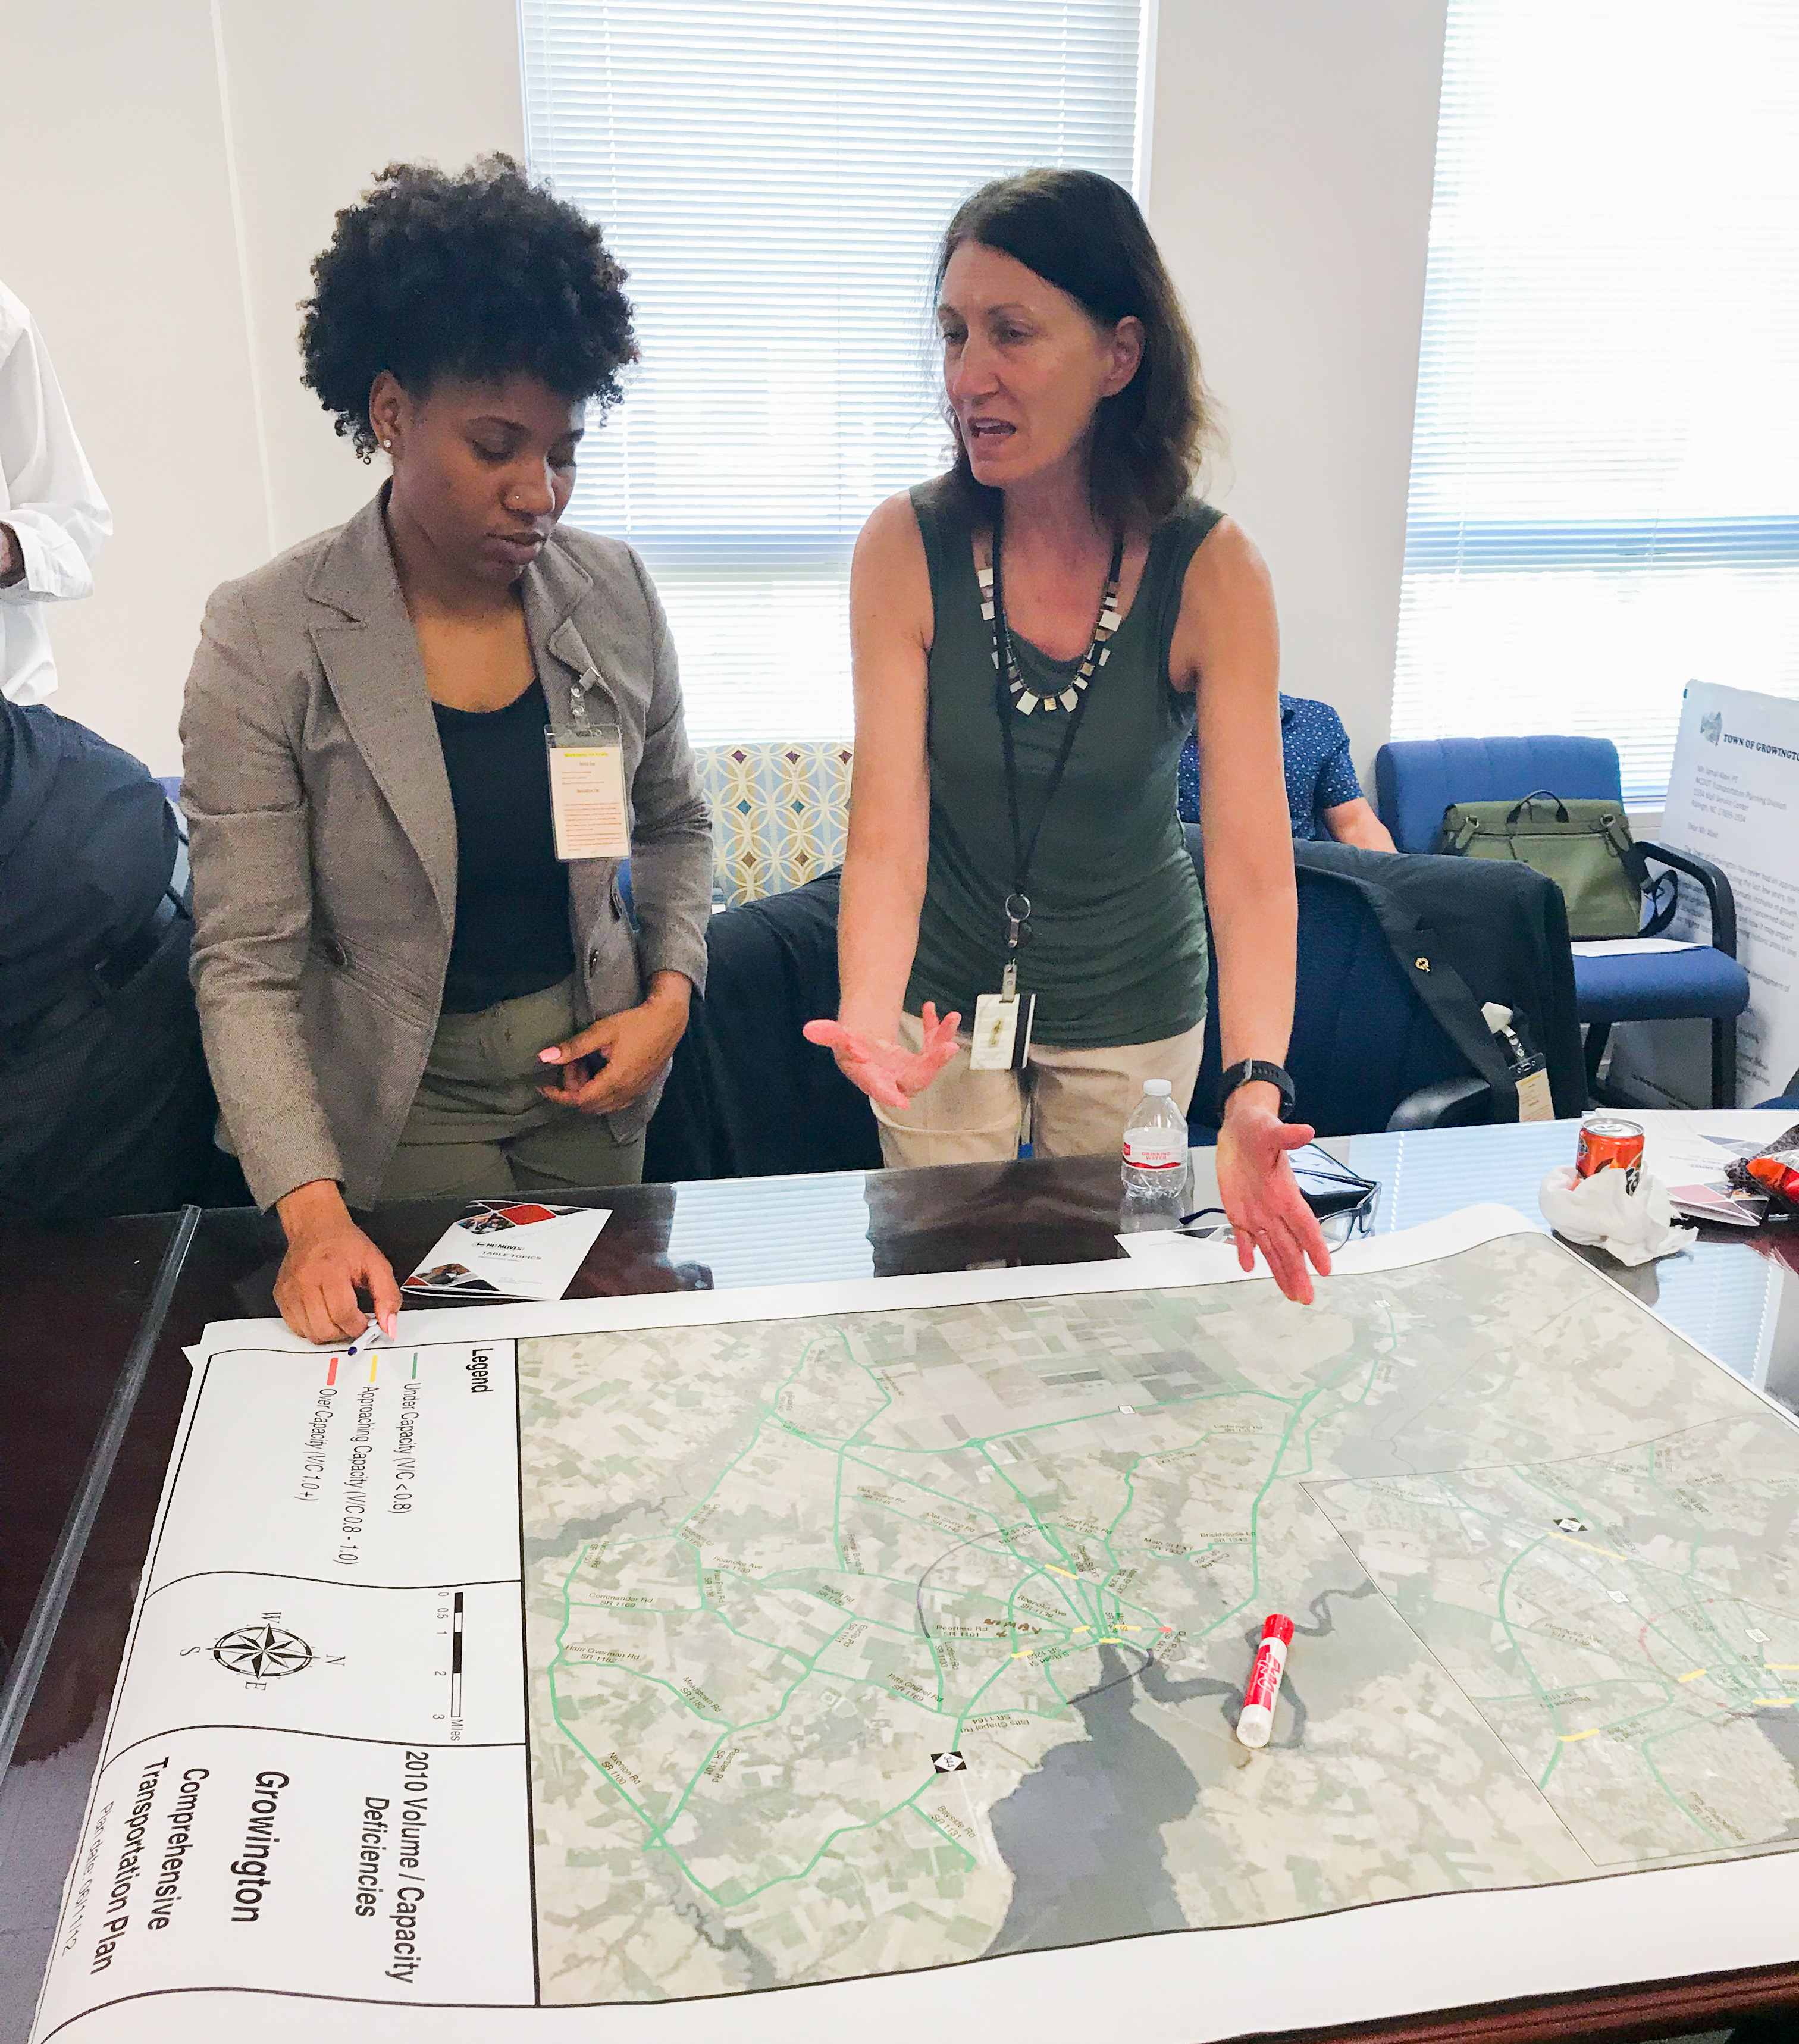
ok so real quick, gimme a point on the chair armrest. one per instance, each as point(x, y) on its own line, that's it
point(1447, 1104)
point(1716, 884)
point(180, 885)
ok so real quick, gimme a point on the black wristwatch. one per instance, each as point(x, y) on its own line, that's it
point(1256, 1068)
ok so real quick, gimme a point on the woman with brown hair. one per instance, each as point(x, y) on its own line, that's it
point(1033, 634)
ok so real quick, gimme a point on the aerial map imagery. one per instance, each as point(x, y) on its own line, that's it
point(874, 1656)
point(900, 1638)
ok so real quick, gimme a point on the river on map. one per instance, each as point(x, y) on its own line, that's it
point(1082, 1831)
point(1780, 1729)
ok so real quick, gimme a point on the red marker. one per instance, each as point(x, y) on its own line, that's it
point(1256, 1720)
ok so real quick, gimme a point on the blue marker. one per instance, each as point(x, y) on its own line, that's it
point(372, 1333)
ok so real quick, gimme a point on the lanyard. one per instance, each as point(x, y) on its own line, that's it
point(1006, 685)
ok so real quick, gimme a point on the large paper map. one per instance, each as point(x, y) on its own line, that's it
point(906, 1626)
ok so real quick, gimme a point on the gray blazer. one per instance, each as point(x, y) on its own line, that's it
point(324, 842)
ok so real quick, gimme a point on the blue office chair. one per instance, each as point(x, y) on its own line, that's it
point(1787, 1099)
point(1416, 780)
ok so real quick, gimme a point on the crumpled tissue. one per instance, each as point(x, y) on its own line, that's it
point(1633, 1226)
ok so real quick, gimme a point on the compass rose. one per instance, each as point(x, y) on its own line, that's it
point(261, 1652)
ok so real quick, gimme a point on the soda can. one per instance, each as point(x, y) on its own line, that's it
point(1609, 1143)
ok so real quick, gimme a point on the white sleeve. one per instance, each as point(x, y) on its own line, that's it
point(48, 493)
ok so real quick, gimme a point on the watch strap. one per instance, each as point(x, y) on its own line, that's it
point(1248, 1069)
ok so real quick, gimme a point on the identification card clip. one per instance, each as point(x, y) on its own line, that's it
point(1002, 1032)
point(1002, 1020)
point(587, 784)
point(1529, 1069)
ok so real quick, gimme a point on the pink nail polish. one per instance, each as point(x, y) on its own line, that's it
point(549, 1057)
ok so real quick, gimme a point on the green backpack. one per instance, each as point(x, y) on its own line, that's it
point(1585, 847)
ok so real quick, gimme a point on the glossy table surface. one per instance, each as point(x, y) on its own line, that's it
point(72, 1300)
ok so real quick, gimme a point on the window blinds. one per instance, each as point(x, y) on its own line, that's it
point(1604, 497)
point(775, 179)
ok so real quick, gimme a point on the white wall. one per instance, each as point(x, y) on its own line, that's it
point(1291, 158)
point(182, 162)
point(322, 96)
point(116, 229)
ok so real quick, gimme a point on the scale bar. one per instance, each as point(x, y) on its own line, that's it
point(455, 1661)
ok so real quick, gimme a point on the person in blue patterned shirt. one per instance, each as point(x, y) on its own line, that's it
point(1324, 799)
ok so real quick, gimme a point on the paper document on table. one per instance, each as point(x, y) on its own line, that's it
point(580, 1667)
point(1630, 947)
point(1678, 1146)
point(508, 1248)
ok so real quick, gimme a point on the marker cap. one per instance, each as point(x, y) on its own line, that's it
point(1274, 1627)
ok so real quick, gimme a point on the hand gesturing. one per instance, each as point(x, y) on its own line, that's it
point(886, 1071)
point(1266, 1212)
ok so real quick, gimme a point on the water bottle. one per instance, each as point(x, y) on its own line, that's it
point(1155, 1168)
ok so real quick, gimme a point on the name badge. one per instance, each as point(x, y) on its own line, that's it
point(587, 793)
point(1535, 1103)
point(1002, 1032)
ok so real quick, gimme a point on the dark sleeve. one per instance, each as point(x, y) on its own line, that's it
point(87, 843)
point(1336, 782)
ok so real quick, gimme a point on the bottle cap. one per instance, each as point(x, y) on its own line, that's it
point(1160, 1088)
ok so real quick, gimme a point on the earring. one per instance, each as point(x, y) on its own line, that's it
point(387, 443)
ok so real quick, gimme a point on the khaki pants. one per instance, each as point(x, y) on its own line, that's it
point(1079, 1100)
point(479, 1129)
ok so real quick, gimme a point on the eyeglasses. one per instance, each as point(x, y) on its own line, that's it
point(1347, 1209)
point(1343, 1201)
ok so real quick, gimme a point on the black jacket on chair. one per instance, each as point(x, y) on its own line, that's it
point(105, 1104)
point(748, 1096)
point(1396, 954)
point(1491, 928)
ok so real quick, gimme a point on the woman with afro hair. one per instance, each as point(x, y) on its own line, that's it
point(404, 991)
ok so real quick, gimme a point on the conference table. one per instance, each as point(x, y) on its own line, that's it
point(94, 1321)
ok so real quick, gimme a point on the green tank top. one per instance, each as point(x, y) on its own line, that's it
point(1117, 950)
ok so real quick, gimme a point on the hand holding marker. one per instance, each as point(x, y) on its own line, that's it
point(373, 1332)
point(1256, 1720)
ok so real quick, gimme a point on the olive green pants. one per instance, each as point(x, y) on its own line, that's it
point(478, 1128)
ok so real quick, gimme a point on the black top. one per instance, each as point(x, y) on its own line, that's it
point(87, 841)
point(512, 935)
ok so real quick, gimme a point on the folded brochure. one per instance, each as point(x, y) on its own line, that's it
point(515, 1249)
point(1719, 1205)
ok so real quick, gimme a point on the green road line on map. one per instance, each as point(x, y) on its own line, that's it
point(1379, 1356)
point(1083, 1598)
point(1643, 1747)
point(1648, 1677)
point(1268, 1484)
point(737, 1730)
point(1523, 1658)
point(1089, 1598)
point(911, 1803)
point(657, 1830)
point(837, 1498)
